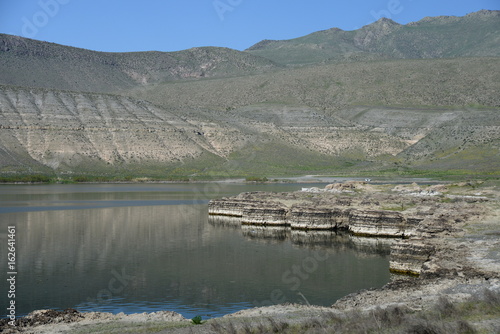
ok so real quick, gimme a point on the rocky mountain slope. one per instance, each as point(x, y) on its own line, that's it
point(430, 82)
point(220, 112)
point(26, 62)
point(68, 131)
point(476, 34)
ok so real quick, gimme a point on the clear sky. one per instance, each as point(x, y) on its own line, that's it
point(171, 25)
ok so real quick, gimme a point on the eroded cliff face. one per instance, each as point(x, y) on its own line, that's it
point(74, 132)
point(71, 131)
point(266, 214)
point(62, 131)
point(356, 218)
point(419, 217)
point(302, 217)
point(408, 256)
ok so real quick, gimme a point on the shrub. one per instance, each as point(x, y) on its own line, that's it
point(445, 307)
point(197, 320)
point(256, 179)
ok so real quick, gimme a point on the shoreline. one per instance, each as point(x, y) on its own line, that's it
point(302, 179)
point(464, 266)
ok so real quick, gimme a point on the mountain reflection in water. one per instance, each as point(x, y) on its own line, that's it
point(136, 259)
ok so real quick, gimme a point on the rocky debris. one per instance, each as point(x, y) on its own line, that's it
point(346, 187)
point(417, 293)
point(41, 317)
point(312, 190)
point(52, 321)
point(405, 188)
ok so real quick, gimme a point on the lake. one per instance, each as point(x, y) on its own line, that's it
point(137, 248)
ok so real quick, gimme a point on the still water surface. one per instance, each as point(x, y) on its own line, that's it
point(146, 248)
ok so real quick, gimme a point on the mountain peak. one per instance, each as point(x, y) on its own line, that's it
point(261, 45)
point(449, 37)
point(383, 22)
point(386, 20)
point(331, 30)
point(484, 13)
point(378, 29)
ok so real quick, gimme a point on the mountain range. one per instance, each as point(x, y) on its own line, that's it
point(474, 35)
point(418, 98)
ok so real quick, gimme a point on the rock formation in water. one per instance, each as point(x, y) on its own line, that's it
point(417, 216)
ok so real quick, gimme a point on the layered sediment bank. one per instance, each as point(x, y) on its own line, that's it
point(418, 216)
point(307, 216)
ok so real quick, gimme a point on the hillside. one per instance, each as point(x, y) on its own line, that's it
point(359, 106)
point(432, 113)
point(68, 131)
point(430, 82)
point(31, 63)
point(476, 34)
point(73, 133)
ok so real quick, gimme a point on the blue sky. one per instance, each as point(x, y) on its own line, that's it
point(171, 25)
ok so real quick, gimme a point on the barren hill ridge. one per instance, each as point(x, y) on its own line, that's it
point(359, 105)
point(476, 34)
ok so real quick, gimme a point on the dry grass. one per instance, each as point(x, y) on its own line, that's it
point(441, 318)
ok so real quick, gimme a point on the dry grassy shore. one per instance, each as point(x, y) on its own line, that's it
point(457, 289)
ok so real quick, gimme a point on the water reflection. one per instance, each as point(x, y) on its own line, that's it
point(170, 257)
point(268, 233)
point(309, 239)
point(224, 221)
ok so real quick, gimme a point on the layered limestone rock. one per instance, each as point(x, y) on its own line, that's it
point(227, 207)
point(265, 214)
point(378, 223)
point(249, 211)
point(382, 223)
point(305, 217)
point(318, 218)
point(408, 256)
point(420, 219)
